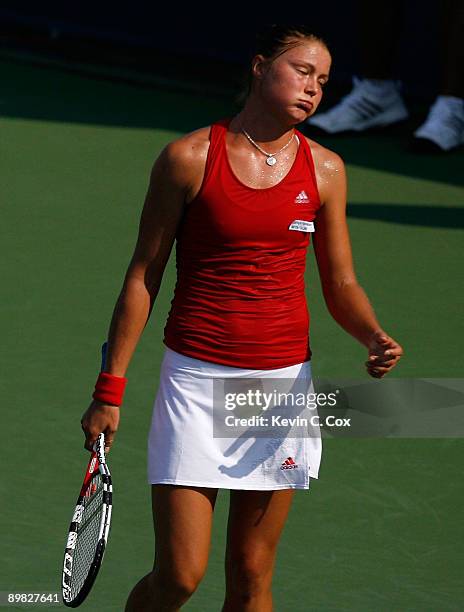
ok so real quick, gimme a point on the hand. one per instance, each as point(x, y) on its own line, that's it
point(100, 418)
point(384, 354)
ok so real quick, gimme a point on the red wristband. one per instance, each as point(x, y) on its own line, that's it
point(109, 389)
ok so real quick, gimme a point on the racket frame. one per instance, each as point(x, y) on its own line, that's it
point(97, 462)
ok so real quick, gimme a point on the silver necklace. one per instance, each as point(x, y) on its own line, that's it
point(271, 157)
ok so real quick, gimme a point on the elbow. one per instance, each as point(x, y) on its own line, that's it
point(152, 280)
point(339, 285)
point(339, 292)
point(141, 280)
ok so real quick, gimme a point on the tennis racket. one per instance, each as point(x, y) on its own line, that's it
point(89, 528)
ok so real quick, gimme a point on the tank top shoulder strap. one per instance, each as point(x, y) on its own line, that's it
point(216, 140)
point(309, 160)
point(308, 156)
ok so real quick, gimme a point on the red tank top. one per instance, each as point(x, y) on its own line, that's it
point(240, 293)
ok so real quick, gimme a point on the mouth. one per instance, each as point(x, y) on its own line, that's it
point(305, 106)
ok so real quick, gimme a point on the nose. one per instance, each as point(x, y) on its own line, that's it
point(310, 86)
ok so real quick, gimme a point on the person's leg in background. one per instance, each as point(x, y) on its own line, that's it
point(375, 99)
point(443, 130)
point(379, 32)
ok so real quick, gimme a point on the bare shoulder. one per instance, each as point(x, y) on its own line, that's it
point(190, 145)
point(330, 169)
point(326, 161)
point(181, 164)
point(187, 154)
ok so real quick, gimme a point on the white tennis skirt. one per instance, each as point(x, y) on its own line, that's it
point(198, 438)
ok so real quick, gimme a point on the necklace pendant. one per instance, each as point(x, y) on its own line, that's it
point(271, 160)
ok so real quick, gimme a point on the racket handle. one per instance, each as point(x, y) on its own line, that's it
point(100, 441)
point(99, 447)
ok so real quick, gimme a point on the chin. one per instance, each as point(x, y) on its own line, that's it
point(300, 116)
point(311, 112)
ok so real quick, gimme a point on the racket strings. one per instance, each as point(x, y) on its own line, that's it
point(87, 534)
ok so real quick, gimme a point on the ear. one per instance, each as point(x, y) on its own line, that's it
point(258, 66)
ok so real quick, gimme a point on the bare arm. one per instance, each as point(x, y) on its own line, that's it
point(171, 181)
point(160, 217)
point(345, 298)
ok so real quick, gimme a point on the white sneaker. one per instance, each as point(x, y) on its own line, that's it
point(444, 126)
point(371, 103)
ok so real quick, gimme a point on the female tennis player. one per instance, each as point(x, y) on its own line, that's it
point(241, 198)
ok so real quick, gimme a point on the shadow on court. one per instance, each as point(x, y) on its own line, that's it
point(60, 94)
point(424, 216)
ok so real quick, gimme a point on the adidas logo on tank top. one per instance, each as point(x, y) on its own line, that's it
point(302, 198)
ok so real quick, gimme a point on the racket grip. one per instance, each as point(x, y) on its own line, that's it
point(101, 438)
